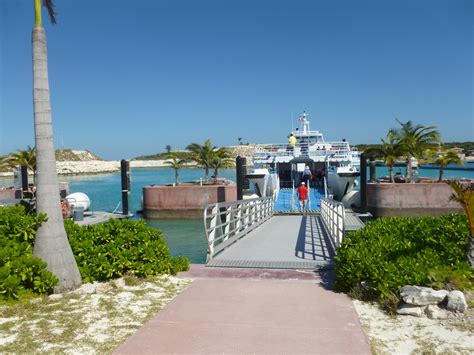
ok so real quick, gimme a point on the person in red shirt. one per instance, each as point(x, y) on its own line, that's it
point(303, 195)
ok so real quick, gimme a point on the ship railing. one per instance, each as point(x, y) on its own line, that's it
point(285, 150)
point(325, 187)
point(333, 215)
point(227, 222)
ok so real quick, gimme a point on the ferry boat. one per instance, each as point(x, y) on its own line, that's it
point(334, 165)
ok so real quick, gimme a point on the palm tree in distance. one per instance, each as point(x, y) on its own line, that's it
point(221, 158)
point(464, 194)
point(176, 163)
point(202, 155)
point(168, 149)
point(390, 150)
point(51, 242)
point(443, 157)
point(414, 140)
point(26, 158)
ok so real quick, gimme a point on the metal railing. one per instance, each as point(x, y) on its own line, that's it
point(333, 215)
point(227, 222)
point(336, 150)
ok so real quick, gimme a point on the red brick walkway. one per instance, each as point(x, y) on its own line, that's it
point(260, 311)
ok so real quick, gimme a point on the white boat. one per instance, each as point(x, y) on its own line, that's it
point(334, 164)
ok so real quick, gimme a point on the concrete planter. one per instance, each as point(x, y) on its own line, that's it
point(420, 199)
point(184, 200)
point(10, 194)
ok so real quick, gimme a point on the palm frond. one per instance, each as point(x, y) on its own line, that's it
point(51, 10)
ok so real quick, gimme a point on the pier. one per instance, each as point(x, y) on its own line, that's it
point(254, 234)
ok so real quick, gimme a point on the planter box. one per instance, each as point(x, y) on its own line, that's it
point(420, 199)
point(184, 201)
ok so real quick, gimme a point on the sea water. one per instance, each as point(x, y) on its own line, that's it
point(184, 236)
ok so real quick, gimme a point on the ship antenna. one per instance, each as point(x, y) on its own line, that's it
point(292, 126)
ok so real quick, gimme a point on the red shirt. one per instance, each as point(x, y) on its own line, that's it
point(302, 192)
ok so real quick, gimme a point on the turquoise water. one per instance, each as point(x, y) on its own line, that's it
point(184, 237)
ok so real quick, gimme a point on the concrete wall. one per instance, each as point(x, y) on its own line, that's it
point(421, 199)
point(184, 201)
point(8, 194)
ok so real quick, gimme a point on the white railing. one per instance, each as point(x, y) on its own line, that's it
point(335, 150)
point(333, 214)
point(227, 222)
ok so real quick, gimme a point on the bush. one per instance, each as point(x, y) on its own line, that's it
point(20, 271)
point(392, 252)
point(120, 247)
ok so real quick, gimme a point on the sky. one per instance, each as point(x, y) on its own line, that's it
point(129, 77)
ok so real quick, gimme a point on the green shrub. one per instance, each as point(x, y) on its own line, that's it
point(120, 247)
point(20, 271)
point(392, 252)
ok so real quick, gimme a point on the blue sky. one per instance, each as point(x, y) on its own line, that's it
point(129, 77)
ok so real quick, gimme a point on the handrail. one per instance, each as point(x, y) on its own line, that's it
point(227, 222)
point(333, 215)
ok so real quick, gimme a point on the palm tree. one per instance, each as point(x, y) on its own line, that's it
point(221, 158)
point(176, 163)
point(414, 140)
point(389, 151)
point(168, 149)
point(464, 194)
point(24, 158)
point(202, 155)
point(443, 157)
point(4, 163)
point(51, 242)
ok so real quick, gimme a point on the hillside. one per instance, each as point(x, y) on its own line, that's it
point(75, 155)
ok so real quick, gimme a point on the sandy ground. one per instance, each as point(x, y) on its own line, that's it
point(412, 335)
point(94, 319)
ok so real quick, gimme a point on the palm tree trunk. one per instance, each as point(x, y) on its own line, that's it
point(408, 173)
point(51, 243)
point(470, 251)
point(206, 176)
point(390, 169)
point(441, 171)
point(176, 175)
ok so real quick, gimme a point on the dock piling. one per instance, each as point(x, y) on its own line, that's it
point(125, 177)
point(363, 183)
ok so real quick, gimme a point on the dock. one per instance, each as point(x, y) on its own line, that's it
point(92, 218)
point(255, 234)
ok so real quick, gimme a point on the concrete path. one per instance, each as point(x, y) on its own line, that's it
point(261, 311)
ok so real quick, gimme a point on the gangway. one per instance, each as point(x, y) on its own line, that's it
point(249, 234)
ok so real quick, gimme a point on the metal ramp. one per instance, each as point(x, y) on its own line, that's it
point(287, 201)
point(283, 242)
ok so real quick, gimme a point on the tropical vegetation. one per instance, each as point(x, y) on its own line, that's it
point(388, 253)
point(414, 140)
point(51, 242)
point(390, 150)
point(177, 163)
point(26, 158)
point(103, 252)
point(442, 157)
point(464, 194)
point(208, 156)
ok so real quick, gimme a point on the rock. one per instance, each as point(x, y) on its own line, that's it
point(85, 289)
point(37, 300)
point(456, 301)
point(119, 283)
point(434, 312)
point(422, 296)
point(411, 310)
point(55, 297)
point(103, 288)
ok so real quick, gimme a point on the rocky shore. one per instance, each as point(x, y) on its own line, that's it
point(98, 166)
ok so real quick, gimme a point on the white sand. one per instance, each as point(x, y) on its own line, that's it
point(407, 334)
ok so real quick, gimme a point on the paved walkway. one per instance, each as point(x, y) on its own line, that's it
point(252, 311)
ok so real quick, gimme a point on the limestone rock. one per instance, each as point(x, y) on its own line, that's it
point(103, 288)
point(456, 301)
point(422, 296)
point(85, 289)
point(411, 310)
point(119, 283)
point(434, 312)
point(55, 297)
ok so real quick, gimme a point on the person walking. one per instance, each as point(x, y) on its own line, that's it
point(307, 175)
point(302, 195)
